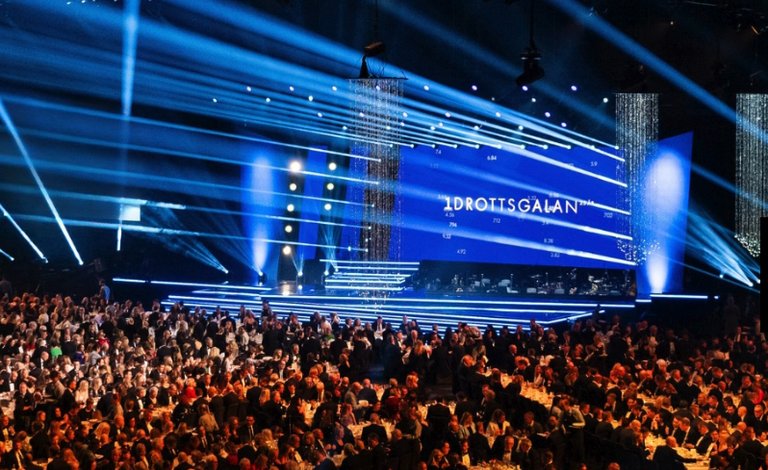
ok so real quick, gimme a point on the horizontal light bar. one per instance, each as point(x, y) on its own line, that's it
point(485, 302)
point(374, 268)
point(367, 288)
point(680, 296)
point(130, 281)
point(189, 284)
point(370, 263)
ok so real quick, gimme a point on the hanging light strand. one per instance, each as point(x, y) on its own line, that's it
point(751, 170)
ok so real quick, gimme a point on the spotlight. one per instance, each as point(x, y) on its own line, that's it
point(287, 250)
point(325, 273)
point(548, 114)
point(330, 186)
point(311, 98)
point(474, 87)
point(295, 166)
point(605, 100)
point(293, 186)
point(426, 87)
point(327, 206)
point(288, 228)
point(290, 208)
point(574, 88)
point(300, 273)
point(525, 87)
point(332, 166)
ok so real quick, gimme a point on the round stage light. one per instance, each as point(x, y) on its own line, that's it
point(605, 100)
point(268, 99)
point(330, 186)
point(332, 166)
point(574, 88)
point(334, 88)
point(525, 87)
point(474, 87)
point(563, 124)
point(426, 87)
point(288, 228)
point(548, 114)
point(292, 186)
point(300, 273)
point(325, 273)
point(327, 206)
point(290, 208)
point(291, 88)
point(311, 98)
point(295, 166)
point(533, 100)
point(287, 250)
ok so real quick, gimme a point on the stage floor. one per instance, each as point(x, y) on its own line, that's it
point(427, 308)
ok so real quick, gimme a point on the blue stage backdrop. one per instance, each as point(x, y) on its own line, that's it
point(488, 205)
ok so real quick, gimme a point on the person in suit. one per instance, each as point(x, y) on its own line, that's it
point(375, 428)
point(706, 439)
point(526, 456)
point(16, 458)
point(504, 449)
point(377, 451)
point(666, 456)
point(438, 417)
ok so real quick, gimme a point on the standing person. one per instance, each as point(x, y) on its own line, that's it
point(5, 287)
point(573, 422)
point(104, 291)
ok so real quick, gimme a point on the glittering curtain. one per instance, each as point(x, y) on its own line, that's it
point(751, 168)
point(376, 109)
point(637, 133)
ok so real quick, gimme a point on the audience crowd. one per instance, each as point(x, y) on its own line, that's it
point(98, 384)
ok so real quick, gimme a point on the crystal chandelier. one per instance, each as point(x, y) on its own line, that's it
point(751, 168)
point(637, 132)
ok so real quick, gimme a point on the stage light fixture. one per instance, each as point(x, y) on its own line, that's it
point(574, 88)
point(287, 250)
point(532, 70)
point(426, 87)
point(327, 206)
point(605, 100)
point(292, 186)
point(295, 166)
point(330, 186)
point(332, 166)
point(290, 208)
point(300, 273)
point(371, 50)
point(288, 228)
point(474, 87)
